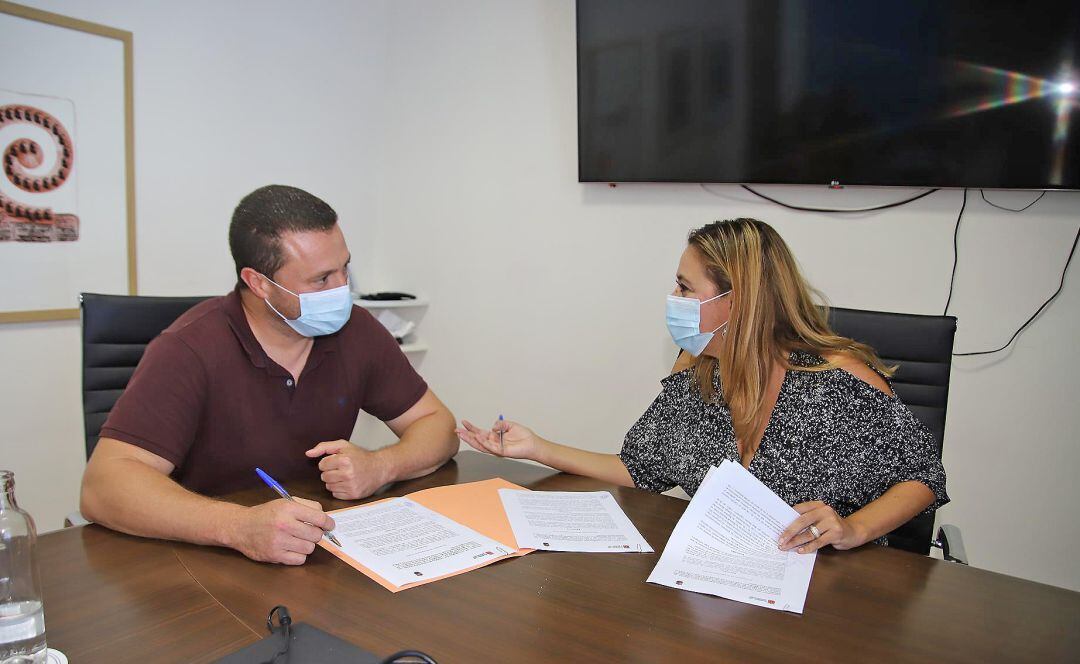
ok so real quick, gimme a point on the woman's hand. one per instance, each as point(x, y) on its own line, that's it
point(517, 442)
point(831, 529)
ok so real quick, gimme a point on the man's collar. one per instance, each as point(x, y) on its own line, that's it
point(234, 311)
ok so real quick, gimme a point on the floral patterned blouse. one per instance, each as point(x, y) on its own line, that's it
point(831, 437)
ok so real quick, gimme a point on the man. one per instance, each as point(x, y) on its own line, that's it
point(272, 375)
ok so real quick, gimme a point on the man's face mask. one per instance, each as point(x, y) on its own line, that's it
point(321, 312)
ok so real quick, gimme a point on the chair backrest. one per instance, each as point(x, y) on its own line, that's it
point(921, 349)
point(115, 332)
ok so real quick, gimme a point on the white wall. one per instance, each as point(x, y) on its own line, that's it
point(229, 96)
point(547, 294)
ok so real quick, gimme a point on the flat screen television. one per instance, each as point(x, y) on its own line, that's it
point(934, 93)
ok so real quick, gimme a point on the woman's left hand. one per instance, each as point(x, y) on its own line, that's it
point(831, 527)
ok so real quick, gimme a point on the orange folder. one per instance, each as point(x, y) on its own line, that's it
point(475, 504)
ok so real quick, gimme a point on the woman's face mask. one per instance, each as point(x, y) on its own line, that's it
point(684, 323)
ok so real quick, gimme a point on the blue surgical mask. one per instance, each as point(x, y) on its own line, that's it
point(321, 312)
point(684, 323)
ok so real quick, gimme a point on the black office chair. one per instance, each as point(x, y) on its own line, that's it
point(921, 349)
point(115, 332)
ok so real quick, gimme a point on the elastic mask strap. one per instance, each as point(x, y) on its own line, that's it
point(715, 297)
point(296, 295)
point(272, 308)
point(724, 324)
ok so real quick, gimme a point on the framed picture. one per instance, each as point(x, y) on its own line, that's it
point(67, 187)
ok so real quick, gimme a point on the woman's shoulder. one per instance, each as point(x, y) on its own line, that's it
point(681, 385)
point(678, 379)
point(861, 370)
point(847, 367)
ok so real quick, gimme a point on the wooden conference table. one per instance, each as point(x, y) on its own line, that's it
point(114, 598)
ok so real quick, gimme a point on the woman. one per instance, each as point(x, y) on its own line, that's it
point(763, 381)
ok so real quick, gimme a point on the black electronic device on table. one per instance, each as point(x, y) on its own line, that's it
point(307, 644)
point(301, 643)
point(387, 296)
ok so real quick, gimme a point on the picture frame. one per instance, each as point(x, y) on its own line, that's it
point(67, 175)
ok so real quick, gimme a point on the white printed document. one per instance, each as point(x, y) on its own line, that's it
point(404, 542)
point(725, 544)
point(585, 521)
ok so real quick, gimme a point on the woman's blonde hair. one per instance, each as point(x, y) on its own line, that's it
point(773, 312)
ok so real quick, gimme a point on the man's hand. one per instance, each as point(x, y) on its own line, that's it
point(280, 531)
point(350, 472)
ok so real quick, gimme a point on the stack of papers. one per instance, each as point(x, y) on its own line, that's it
point(588, 521)
point(426, 536)
point(429, 535)
point(725, 544)
point(396, 325)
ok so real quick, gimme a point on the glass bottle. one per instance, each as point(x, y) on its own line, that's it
point(22, 620)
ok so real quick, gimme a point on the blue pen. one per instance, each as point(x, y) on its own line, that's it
point(500, 436)
point(273, 484)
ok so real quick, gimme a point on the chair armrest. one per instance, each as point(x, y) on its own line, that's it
point(75, 519)
point(951, 543)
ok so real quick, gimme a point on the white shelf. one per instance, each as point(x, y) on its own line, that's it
point(391, 304)
point(414, 347)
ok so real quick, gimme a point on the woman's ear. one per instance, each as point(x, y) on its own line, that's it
point(729, 305)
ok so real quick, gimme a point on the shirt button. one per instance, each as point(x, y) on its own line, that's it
point(288, 382)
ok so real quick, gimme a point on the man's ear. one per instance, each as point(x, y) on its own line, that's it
point(256, 283)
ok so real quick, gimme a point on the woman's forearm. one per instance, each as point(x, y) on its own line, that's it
point(606, 467)
point(894, 508)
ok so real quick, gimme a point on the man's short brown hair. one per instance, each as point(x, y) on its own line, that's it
point(263, 216)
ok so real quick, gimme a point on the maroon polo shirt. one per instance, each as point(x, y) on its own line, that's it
point(209, 400)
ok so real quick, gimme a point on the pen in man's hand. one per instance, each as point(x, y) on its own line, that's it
point(273, 484)
point(501, 435)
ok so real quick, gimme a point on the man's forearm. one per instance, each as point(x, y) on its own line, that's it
point(129, 496)
point(427, 444)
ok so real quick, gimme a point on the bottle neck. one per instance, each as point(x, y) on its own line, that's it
point(7, 490)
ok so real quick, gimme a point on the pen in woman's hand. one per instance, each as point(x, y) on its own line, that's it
point(501, 435)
